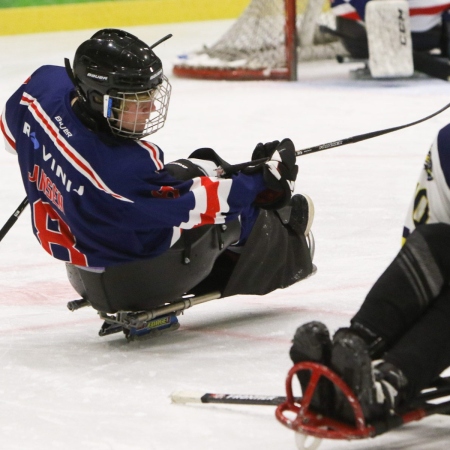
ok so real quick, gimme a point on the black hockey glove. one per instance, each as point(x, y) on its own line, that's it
point(280, 173)
point(264, 150)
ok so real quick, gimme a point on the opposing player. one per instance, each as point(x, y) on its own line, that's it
point(398, 342)
point(136, 233)
point(428, 21)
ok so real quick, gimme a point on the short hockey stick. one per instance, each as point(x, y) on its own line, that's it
point(365, 136)
point(235, 399)
point(440, 391)
point(13, 219)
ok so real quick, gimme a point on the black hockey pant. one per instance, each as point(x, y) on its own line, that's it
point(409, 306)
point(273, 257)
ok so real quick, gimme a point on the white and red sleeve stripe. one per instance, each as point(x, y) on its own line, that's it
point(211, 197)
point(425, 15)
point(154, 152)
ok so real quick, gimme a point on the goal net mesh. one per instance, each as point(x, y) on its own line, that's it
point(257, 39)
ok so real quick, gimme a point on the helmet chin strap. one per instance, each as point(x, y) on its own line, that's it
point(81, 112)
point(92, 120)
point(72, 78)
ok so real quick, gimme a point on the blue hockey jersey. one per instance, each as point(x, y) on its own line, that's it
point(97, 202)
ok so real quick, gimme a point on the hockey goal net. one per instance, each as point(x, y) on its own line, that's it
point(266, 42)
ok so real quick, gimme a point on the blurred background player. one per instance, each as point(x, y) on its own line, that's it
point(429, 21)
point(134, 233)
point(398, 342)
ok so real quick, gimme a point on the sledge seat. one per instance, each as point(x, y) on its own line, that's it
point(145, 284)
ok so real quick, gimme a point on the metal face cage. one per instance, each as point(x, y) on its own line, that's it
point(135, 115)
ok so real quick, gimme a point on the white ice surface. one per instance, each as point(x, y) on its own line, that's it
point(62, 386)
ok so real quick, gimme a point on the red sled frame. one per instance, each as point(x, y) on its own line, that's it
point(313, 424)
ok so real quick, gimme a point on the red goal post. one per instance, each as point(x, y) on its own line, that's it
point(266, 42)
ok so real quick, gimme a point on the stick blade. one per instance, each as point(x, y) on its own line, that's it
point(186, 397)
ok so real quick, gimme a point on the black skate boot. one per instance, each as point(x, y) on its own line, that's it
point(393, 383)
point(298, 215)
point(312, 343)
point(378, 387)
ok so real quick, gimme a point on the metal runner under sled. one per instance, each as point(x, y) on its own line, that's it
point(145, 324)
point(295, 413)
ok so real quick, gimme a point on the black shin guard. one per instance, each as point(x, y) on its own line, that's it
point(408, 286)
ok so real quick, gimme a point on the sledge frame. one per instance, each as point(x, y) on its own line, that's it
point(310, 423)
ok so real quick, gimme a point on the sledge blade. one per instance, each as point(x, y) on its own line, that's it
point(146, 324)
point(109, 328)
point(153, 328)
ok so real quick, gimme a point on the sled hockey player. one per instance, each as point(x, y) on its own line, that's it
point(397, 344)
point(428, 23)
point(136, 233)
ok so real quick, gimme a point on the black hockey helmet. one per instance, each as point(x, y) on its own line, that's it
point(113, 69)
